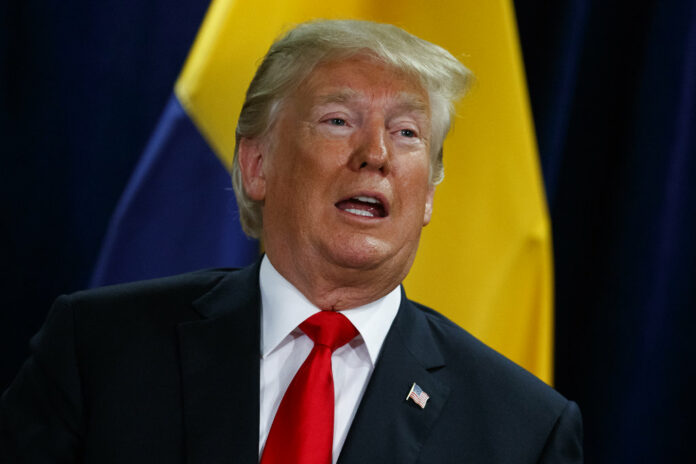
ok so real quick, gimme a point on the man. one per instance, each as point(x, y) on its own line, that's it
point(313, 354)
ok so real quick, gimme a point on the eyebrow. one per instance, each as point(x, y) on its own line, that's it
point(405, 101)
point(342, 96)
point(411, 102)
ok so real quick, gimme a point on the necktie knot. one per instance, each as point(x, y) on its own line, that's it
point(329, 328)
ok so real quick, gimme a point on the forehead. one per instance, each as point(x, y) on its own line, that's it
point(362, 78)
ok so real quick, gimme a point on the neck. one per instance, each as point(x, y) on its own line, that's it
point(337, 288)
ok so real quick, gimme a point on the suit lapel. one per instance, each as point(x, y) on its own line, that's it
point(387, 427)
point(220, 372)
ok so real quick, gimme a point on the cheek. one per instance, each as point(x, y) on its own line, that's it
point(416, 189)
point(417, 174)
point(327, 154)
point(297, 186)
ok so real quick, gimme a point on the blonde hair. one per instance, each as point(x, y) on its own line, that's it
point(292, 58)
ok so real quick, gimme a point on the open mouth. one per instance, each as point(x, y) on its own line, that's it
point(363, 205)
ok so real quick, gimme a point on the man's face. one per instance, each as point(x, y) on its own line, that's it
point(344, 173)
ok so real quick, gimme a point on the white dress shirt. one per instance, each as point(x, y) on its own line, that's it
point(284, 347)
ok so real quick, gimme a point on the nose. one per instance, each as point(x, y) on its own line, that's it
point(372, 151)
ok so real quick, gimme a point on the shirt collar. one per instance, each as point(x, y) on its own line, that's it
point(284, 308)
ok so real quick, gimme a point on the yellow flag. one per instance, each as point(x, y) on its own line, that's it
point(485, 259)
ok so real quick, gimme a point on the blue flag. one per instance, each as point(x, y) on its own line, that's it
point(178, 212)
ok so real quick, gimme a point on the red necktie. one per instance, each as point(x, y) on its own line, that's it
point(302, 430)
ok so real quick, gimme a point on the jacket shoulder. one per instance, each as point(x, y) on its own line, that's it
point(176, 287)
point(510, 413)
point(137, 311)
point(487, 367)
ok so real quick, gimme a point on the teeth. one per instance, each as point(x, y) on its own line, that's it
point(360, 212)
point(374, 201)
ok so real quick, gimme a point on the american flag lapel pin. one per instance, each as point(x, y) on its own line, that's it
point(418, 395)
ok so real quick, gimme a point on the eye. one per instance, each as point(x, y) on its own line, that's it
point(337, 122)
point(407, 133)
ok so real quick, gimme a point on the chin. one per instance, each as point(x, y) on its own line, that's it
point(361, 253)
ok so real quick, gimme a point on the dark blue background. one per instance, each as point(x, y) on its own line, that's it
point(613, 89)
point(82, 86)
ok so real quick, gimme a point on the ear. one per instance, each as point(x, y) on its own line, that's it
point(428, 206)
point(250, 153)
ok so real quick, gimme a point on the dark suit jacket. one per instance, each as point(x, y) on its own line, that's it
point(168, 371)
